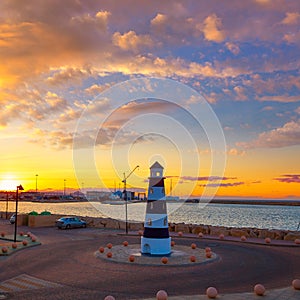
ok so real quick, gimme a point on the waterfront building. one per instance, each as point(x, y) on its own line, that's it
point(97, 195)
point(156, 239)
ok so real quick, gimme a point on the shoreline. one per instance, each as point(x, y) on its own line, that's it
point(180, 228)
point(249, 202)
point(192, 200)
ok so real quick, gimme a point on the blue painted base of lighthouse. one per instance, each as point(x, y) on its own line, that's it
point(155, 246)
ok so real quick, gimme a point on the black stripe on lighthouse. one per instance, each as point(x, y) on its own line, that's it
point(156, 182)
point(156, 233)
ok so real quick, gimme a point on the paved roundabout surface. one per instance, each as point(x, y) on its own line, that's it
point(180, 255)
point(66, 260)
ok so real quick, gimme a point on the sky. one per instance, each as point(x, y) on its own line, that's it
point(61, 60)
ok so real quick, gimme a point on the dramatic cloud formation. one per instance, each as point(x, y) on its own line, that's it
point(241, 56)
point(287, 135)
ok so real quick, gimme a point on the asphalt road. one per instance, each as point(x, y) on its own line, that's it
point(67, 257)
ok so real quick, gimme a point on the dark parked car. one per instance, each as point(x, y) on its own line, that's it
point(69, 222)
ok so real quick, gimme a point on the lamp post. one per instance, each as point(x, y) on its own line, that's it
point(64, 187)
point(126, 209)
point(19, 188)
point(6, 205)
point(126, 199)
point(36, 178)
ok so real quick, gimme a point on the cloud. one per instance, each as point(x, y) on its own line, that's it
point(70, 114)
point(63, 139)
point(292, 38)
point(69, 75)
point(206, 178)
point(56, 139)
point(66, 44)
point(137, 108)
point(96, 89)
point(131, 41)
point(9, 112)
point(232, 47)
point(228, 184)
point(264, 2)
point(285, 136)
point(289, 178)
point(212, 29)
point(267, 108)
point(159, 20)
point(291, 18)
point(240, 93)
point(278, 98)
point(235, 152)
point(99, 20)
point(214, 181)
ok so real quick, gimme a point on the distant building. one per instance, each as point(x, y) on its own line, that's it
point(97, 195)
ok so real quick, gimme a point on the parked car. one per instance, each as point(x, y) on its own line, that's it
point(69, 222)
point(12, 219)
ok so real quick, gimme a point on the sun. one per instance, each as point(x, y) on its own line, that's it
point(8, 185)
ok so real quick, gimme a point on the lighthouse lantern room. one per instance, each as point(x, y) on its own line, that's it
point(156, 239)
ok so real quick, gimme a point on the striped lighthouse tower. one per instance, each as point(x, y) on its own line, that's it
point(156, 239)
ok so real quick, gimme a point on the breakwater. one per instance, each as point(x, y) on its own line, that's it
point(274, 234)
point(227, 215)
point(109, 223)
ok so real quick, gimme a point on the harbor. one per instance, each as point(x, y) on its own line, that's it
point(234, 215)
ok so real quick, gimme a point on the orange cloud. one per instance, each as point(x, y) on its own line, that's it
point(212, 29)
point(291, 18)
point(131, 41)
point(232, 47)
point(159, 19)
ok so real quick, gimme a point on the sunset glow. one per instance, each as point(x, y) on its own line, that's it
point(8, 184)
point(242, 57)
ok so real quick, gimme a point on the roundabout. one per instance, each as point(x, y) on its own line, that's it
point(69, 265)
point(180, 255)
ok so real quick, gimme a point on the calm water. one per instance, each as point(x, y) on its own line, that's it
point(231, 215)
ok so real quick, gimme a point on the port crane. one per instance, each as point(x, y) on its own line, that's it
point(125, 195)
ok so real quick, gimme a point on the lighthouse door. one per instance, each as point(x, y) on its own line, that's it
point(146, 248)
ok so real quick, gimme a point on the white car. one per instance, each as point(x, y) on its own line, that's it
point(12, 219)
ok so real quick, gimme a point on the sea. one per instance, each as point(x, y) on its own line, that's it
point(229, 215)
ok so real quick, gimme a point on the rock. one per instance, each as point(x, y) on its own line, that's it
point(112, 224)
point(196, 229)
point(273, 234)
point(217, 230)
point(236, 232)
point(182, 227)
point(171, 227)
point(292, 236)
point(98, 223)
point(278, 234)
point(89, 221)
point(136, 226)
point(253, 233)
point(265, 233)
